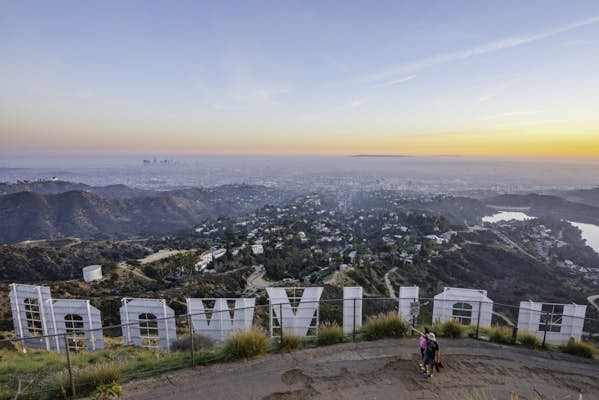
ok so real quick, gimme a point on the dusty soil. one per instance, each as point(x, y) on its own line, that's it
point(384, 370)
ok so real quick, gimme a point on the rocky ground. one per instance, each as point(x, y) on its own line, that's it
point(383, 370)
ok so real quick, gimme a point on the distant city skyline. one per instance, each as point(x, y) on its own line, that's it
point(484, 79)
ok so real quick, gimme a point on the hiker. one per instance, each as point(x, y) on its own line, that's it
point(432, 355)
point(422, 345)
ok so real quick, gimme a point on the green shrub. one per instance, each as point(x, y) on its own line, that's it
point(451, 329)
point(579, 348)
point(290, 343)
point(529, 339)
point(329, 334)
point(245, 344)
point(437, 329)
point(382, 326)
point(501, 334)
point(106, 392)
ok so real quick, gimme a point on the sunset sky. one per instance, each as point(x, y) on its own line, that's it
point(505, 78)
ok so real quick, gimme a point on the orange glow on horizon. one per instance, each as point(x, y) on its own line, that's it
point(295, 140)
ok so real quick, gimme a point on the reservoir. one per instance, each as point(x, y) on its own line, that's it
point(506, 216)
point(590, 232)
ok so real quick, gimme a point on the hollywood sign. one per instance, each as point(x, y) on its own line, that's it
point(41, 322)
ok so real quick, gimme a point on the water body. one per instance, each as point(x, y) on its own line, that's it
point(590, 232)
point(507, 216)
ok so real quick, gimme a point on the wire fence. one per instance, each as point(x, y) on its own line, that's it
point(28, 371)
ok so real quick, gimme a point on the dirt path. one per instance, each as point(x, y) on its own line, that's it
point(160, 255)
point(256, 280)
point(331, 279)
point(508, 321)
point(390, 289)
point(593, 301)
point(384, 370)
point(509, 242)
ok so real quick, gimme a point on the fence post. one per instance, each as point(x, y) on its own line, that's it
point(281, 320)
point(478, 319)
point(414, 317)
point(70, 366)
point(191, 339)
point(354, 324)
point(514, 334)
point(545, 329)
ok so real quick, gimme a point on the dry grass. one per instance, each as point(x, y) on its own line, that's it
point(383, 326)
point(579, 348)
point(529, 340)
point(245, 344)
point(290, 343)
point(450, 329)
point(501, 334)
point(88, 378)
point(329, 334)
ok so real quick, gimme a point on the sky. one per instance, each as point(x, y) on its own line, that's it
point(492, 78)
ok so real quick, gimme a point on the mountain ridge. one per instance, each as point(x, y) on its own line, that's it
point(31, 215)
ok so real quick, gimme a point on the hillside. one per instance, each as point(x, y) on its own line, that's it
point(107, 293)
point(386, 369)
point(58, 186)
point(584, 196)
point(52, 213)
point(548, 206)
point(60, 260)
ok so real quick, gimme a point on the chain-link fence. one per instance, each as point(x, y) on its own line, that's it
point(77, 362)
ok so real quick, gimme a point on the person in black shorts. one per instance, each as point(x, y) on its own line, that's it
point(431, 355)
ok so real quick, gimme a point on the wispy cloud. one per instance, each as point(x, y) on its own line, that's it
point(486, 48)
point(397, 81)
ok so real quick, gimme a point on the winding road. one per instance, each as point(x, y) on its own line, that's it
point(256, 280)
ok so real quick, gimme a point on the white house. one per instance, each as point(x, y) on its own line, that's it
point(206, 257)
point(468, 306)
point(218, 253)
point(436, 239)
point(257, 249)
point(302, 237)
